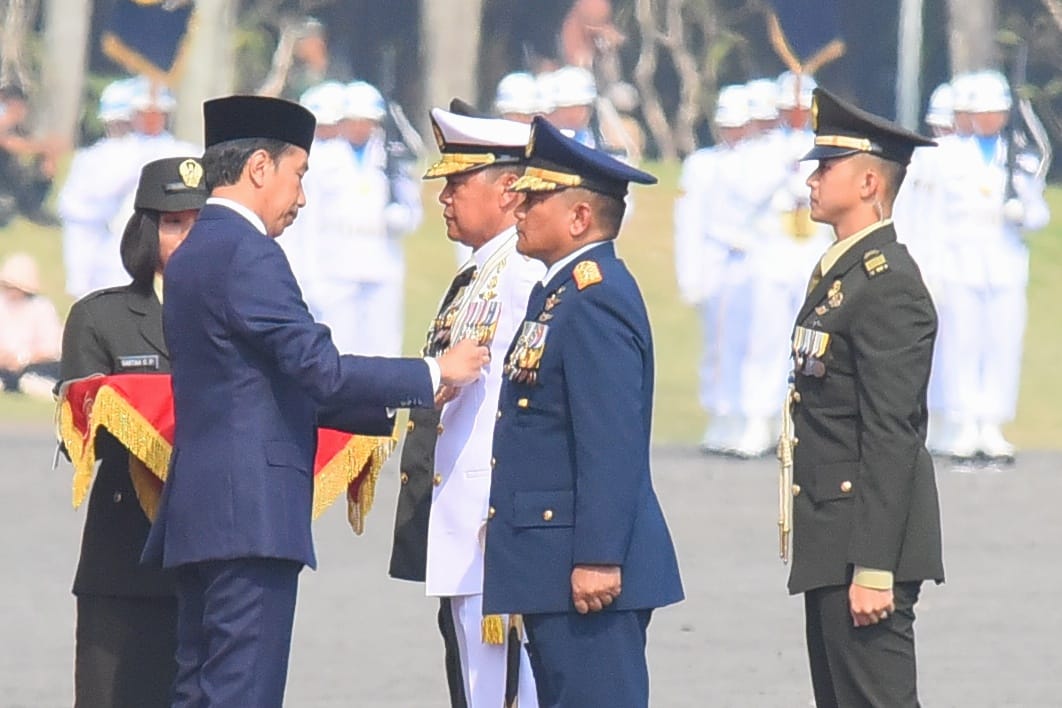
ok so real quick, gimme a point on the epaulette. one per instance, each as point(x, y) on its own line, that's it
point(874, 263)
point(586, 273)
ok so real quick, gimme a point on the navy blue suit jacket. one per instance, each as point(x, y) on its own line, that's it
point(252, 372)
point(571, 481)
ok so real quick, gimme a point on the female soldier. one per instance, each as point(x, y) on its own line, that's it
point(127, 614)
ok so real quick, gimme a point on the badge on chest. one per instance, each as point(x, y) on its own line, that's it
point(809, 348)
point(521, 366)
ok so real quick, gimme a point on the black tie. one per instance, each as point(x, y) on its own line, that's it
point(439, 340)
point(460, 280)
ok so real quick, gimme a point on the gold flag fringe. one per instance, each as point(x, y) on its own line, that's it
point(126, 424)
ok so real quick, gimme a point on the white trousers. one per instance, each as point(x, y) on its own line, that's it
point(767, 364)
point(981, 329)
point(483, 665)
point(724, 336)
point(91, 259)
point(365, 318)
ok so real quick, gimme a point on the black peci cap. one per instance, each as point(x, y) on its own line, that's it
point(842, 129)
point(241, 117)
point(172, 184)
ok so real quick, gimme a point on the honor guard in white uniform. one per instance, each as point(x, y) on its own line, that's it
point(97, 200)
point(345, 247)
point(786, 245)
point(986, 201)
point(713, 232)
point(93, 193)
point(481, 158)
point(917, 216)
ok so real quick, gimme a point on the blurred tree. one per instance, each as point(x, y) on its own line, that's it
point(66, 30)
point(18, 17)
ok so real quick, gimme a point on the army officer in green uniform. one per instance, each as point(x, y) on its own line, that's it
point(866, 526)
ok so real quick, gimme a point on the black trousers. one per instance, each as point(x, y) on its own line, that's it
point(853, 667)
point(125, 651)
point(455, 679)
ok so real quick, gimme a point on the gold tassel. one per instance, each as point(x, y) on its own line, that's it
point(493, 629)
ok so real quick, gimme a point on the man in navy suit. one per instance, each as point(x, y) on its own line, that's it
point(252, 376)
point(576, 540)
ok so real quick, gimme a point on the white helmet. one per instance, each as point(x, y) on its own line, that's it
point(518, 92)
point(763, 99)
point(327, 101)
point(116, 101)
point(364, 101)
point(991, 93)
point(148, 96)
point(941, 113)
point(794, 91)
point(732, 106)
point(572, 86)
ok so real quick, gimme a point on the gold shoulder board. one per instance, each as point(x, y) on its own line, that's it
point(586, 273)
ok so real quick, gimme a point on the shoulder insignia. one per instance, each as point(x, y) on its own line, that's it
point(586, 273)
point(874, 263)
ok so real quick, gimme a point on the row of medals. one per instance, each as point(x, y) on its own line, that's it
point(521, 366)
point(810, 345)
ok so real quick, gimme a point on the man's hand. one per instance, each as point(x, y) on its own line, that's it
point(594, 587)
point(444, 395)
point(869, 606)
point(463, 363)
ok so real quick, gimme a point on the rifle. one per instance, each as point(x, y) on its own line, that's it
point(1017, 87)
point(403, 144)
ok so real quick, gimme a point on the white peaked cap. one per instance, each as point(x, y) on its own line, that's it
point(788, 87)
point(116, 101)
point(941, 113)
point(148, 96)
point(327, 102)
point(571, 86)
point(364, 101)
point(732, 106)
point(991, 93)
point(518, 92)
point(468, 143)
point(763, 99)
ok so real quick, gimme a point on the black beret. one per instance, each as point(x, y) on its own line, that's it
point(241, 117)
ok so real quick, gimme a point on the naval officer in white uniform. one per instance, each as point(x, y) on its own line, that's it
point(481, 158)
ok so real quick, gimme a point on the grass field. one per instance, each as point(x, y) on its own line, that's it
point(646, 244)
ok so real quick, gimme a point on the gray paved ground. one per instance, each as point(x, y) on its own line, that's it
point(990, 637)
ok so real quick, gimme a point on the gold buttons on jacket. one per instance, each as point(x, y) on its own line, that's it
point(522, 403)
point(846, 486)
point(796, 396)
point(490, 512)
point(796, 490)
point(439, 429)
point(547, 515)
point(498, 417)
point(410, 425)
point(436, 480)
point(117, 497)
point(403, 477)
point(493, 462)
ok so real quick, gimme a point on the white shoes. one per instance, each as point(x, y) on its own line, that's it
point(993, 445)
point(755, 439)
point(715, 434)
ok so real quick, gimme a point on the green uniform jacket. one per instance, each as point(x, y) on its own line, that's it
point(865, 492)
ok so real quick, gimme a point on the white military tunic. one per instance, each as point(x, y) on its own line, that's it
point(345, 247)
point(493, 305)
